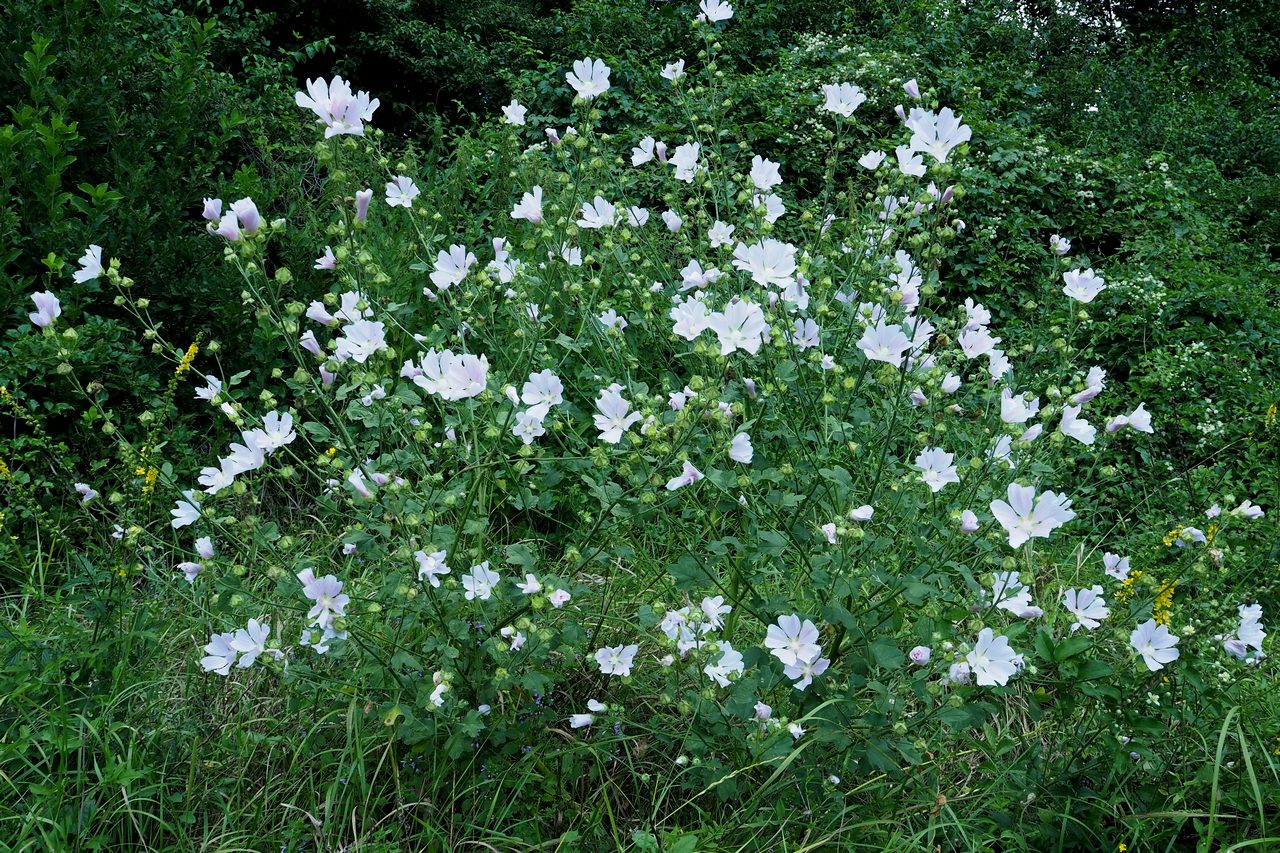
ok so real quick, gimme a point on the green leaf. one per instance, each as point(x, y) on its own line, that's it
point(886, 654)
point(1071, 646)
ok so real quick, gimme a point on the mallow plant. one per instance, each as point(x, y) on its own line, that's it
point(661, 460)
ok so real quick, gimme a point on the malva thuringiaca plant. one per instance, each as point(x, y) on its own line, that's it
point(668, 459)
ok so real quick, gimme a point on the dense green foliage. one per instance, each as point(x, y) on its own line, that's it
point(1149, 136)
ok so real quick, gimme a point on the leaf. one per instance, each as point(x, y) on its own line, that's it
point(1044, 644)
point(886, 654)
point(1071, 646)
point(522, 555)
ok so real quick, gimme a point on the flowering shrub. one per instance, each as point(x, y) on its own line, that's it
point(666, 459)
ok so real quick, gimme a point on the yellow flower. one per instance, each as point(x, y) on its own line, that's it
point(1164, 601)
point(4, 469)
point(1126, 585)
point(187, 358)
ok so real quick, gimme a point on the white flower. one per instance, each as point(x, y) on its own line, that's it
point(614, 416)
point(1026, 515)
point(86, 493)
point(360, 340)
point(598, 214)
point(276, 432)
point(992, 661)
point(885, 342)
point(769, 262)
point(185, 512)
point(453, 377)
point(715, 10)
point(1059, 245)
point(909, 162)
point(694, 276)
point(1247, 509)
point(530, 207)
point(1076, 426)
point(975, 343)
point(480, 582)
point(1155, 643)
point(740, 449)
point(452, 267)
point(589, 78)
point(190, 570)
point(936, 135)
point(330, 601)
point(544, 389)
point(721, 234)
point(611, 319)
point(843, 99)
point(559, 598)
point(730, 664)
point(764, 173)
point(90, 265)
point(740, 326)
point(685, 161)
point(216, 479)
point(1087, 605)
point(48, 309)
point(792, 641)
point(1116, 566)
point(644, 152)
point(401, 192)
point(1016, 410)
point(672, 220)
point(1009, 594)
point(871, 160)
point(616, 660)
point(1095, 382)
point(250, 642)
point(514, 113)
point(687, 477)
point(1082, 285)
point(804, 671)
point(336, 107)
point(431, 567)
point(530, 586)
point(673, 71)
point(219, 654)
point(772, 204)
point(862, 513)
point(937, 468)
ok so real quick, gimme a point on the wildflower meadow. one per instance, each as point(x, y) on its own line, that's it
point(699, 448)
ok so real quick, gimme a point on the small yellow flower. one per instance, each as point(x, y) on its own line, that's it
point(187, 358)
point(332, 452)
point(1126, 586)
point(1164, 601)
point(4, 469)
